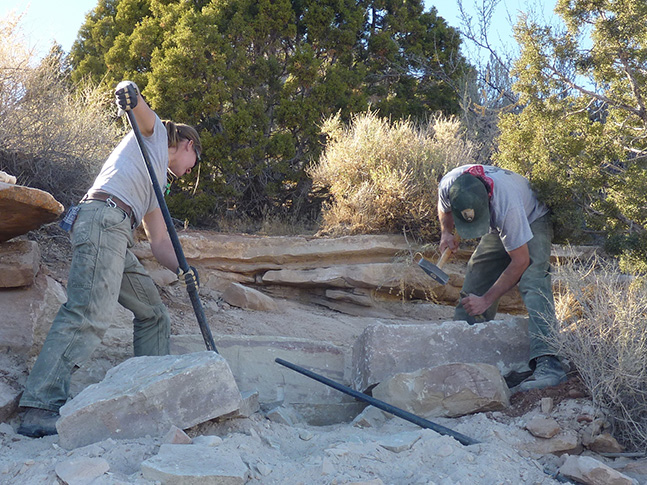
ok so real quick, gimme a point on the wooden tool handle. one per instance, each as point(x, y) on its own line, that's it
point(443, 258)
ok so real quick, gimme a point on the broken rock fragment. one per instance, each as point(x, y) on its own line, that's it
point(195, 464)
point(586, 469)
point(243, 297)
point(449, 390)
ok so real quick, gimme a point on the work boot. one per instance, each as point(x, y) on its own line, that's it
point(548, 372)
point(37, 423)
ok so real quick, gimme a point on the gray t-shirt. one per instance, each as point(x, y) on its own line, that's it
point(125, 175)
point(513, 205)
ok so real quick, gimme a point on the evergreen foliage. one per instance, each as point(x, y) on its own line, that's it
point(581, 138)
point(257, 77)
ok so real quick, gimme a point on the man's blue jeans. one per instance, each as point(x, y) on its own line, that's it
point(490, 259)
point(103, 272)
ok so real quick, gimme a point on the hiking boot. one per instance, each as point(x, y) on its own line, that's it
point(548, 372)
point(37, 423)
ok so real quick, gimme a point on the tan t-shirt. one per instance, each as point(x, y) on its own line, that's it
point(125, 175)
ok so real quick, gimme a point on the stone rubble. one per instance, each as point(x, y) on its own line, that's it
point(237, 417)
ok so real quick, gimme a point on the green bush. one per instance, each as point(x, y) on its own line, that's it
point(581, 135)
point(382, 177)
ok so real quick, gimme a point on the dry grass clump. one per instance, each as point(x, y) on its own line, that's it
point(382, 177)
point(603, 332)
point(51, 137)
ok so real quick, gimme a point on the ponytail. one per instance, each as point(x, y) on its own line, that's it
point(179, 131)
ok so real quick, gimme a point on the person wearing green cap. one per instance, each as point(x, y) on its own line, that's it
point(499, 206)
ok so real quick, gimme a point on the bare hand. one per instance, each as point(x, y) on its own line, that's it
point(448, 240)
point(475, 305)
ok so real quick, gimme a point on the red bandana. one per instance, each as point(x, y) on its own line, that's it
point(477, 171)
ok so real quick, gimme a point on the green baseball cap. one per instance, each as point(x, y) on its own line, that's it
point(470, 203)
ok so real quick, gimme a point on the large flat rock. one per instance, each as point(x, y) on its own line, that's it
point(383, 350)
point(23, 209)
point(194, 464)
point(147, 395)
point(249, 254)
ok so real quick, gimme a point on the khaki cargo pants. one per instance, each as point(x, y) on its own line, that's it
point(103, 272)
point(490, 259)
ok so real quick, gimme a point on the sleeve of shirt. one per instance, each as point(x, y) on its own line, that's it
point(157, 145)
point(443, 194)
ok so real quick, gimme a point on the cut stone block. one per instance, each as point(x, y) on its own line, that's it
point(251, 359)
point(147, 395)
point(383, 350)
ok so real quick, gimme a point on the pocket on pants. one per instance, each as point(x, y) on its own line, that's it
point(84, 225)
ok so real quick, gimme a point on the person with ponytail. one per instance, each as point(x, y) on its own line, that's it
point(104, 271)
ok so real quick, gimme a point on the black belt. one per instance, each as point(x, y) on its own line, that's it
point(112, 201)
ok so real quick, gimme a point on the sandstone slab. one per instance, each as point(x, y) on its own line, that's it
point(248, 254)
point(23, 209)
point(193, 464)
point(565, 442)
point(449, 390)
point(81, 471)
point(586, 469)
point(147, 395)
point(248, 298)
point(383, 350)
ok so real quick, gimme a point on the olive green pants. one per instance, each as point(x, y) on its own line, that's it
point(487, 263)
point(103, 272)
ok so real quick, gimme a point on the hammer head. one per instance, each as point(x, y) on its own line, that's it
point(434, 271)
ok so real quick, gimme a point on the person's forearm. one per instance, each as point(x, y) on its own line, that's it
point(447, 237)
point(145, 116)
point(510, 277)
point(165, 254)
point(446, 221)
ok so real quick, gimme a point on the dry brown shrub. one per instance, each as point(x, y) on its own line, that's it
point(52, 137)
point(383, 176)
point(603, 333)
